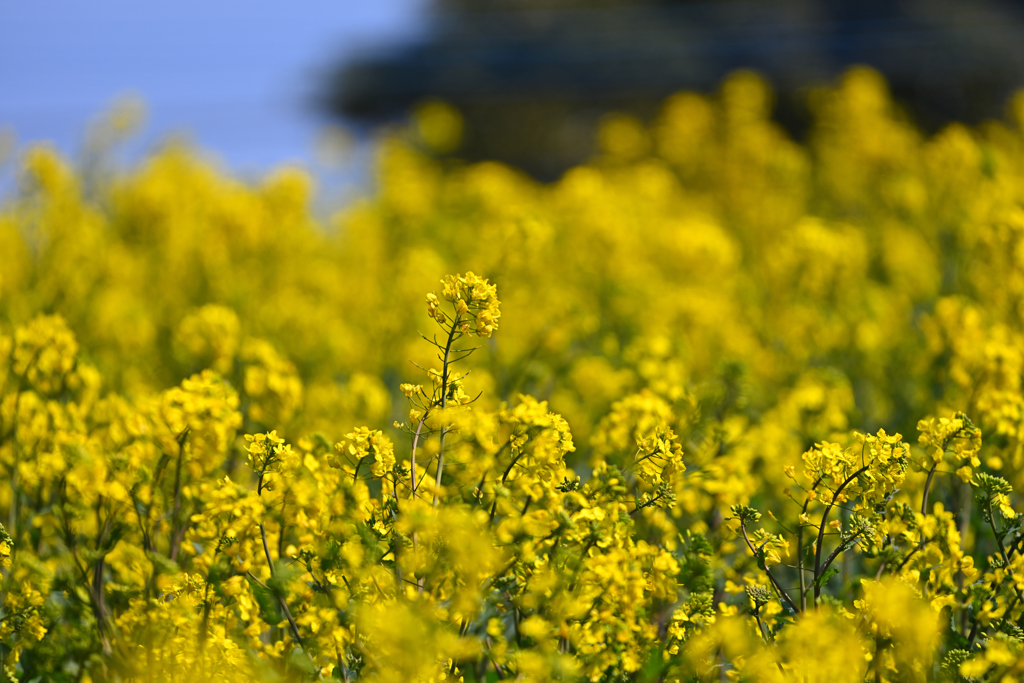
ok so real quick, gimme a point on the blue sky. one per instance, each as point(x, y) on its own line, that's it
point(235, 76)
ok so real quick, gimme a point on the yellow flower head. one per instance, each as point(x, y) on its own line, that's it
point(475, 304)
point(363, 443)
point(6, 545)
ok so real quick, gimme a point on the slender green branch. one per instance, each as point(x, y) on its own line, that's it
point(504, 476)
point(821, 531)
point(800, 548)
point(920, 546)
point(835, 554)
point(176, 536)
point(800, 567)
point(778, 587)
point(999, 538)
point(761, 627)
point(927, 486)
point(280, 599)
point(444, 402)
point(994, 586)
point(412, 458)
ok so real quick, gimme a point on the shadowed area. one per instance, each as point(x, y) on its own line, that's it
point(533, 78)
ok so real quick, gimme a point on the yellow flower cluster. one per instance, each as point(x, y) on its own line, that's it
point(6, 546)
point(476, 305)
point(44, 352)
point(679, 458)
point(365, 443)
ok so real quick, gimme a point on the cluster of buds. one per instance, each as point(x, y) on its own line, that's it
point(993, 493)
point(475, 301)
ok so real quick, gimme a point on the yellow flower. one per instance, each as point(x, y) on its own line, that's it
point(365, 443)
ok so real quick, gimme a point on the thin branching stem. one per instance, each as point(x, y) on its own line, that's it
point(778, 587)
point(176, 534)
point(821, 531)
point(927, 486)
point(412, 458)
point(444, 402)
point(280, 599)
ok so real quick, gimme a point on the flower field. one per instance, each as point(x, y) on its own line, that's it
point(718, 405)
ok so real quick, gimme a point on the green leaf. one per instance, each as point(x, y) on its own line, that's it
point(163, 565)
point(269, 610)
point(654, 667)
point(823, 579)
point(300, 661)
point(955, 639)
point(284, 574)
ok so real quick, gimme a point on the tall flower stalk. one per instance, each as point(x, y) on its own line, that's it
point(472, 310)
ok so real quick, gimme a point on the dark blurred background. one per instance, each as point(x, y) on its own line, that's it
point(257, 84)
point(533, 77)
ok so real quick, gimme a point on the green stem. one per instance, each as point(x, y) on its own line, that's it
point(835, 554)
point(415, 445)
point(800, 550)
point(778, 587)
point(999, 538)
point(175, 535)
point(280, 599)
point(760, 628)
point(821, 531)
point(927, 485)
point(444, 403)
